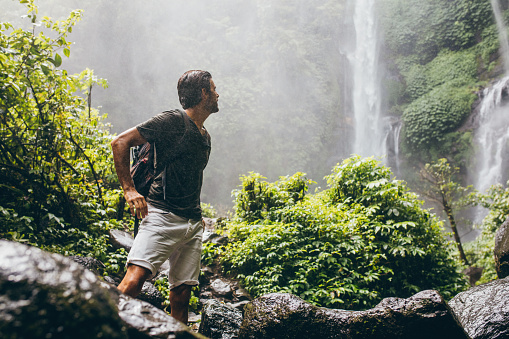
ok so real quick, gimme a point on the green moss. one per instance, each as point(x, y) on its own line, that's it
point(429, 118)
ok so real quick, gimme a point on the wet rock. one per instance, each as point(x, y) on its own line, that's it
point(214, 238)
point(241, 294)
point(206, 295)
point(151, 294)
point(110, 280)
point(240, 305)
point(207, 273)
point(194, 318)
point(501, 251)
point(44, 295)
point(145, 321)
point(120, 239)
point(220, 320)
point(90, 264)
point(424, 315)
point(483, 310)
point(221, 288)
point(474, 274)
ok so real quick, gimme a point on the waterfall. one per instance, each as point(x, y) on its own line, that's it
point(390, 145)
point(492, 136)
point(366, 84)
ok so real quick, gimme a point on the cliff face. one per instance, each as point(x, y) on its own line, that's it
point(438, 56)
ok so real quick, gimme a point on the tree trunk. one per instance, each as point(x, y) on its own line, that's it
point(452, 221)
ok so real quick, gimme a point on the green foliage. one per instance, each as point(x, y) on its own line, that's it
point(441, 51)
point(460, 67)
point(440, 179)
point(257, 198)
point(163, 286)
point(441, 187)
point(210, 252)
point(429, 118)
point(496, 200)
point(480, 253)
point(424, 27)
point(59, 189)
point(208, 211)
point(364, 238)
point(55, 162)
point(488, 47)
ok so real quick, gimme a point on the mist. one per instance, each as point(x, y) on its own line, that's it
point(277, 67)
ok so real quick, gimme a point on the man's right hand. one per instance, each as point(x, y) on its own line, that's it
point(137, 204)
point(121, 146)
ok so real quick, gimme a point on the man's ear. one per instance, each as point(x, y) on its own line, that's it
point(204, 93)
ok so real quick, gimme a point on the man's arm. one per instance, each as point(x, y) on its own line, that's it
point(121, 146)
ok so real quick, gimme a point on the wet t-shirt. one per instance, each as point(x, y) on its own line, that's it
point(184, 152)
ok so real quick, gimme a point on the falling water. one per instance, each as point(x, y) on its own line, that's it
point(392, 128)
point(492, 136)
point(366, 84)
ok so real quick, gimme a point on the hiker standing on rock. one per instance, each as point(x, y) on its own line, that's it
point(172, 225)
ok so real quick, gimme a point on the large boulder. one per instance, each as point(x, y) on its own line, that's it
point(145, 321)
point(44, 295)
point(120, 239)
point(151, 294)
point(219, 320)
point(424, 315)
point(501, 251)
point(483, 310)
point(90, 264)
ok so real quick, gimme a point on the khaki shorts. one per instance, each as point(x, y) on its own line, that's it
point(164, 235)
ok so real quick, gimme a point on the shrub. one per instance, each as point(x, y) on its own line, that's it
point(428, 119)
point(362, 239)
point(496, 200)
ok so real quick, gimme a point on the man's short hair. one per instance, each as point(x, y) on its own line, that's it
point(190, 85)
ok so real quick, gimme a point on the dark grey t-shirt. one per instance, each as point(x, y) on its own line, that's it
point(177, 139)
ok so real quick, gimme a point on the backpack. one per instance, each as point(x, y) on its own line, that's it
point(143, 169)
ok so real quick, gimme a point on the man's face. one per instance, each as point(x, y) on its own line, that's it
point(212, 98)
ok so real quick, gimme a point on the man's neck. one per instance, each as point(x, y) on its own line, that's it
point(198, 115)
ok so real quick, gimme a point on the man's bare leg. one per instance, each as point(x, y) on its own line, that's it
point(133, 280)
point(179, 302)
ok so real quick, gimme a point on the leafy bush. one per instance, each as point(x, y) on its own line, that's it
point(496, 200)
point(208, 210)
point(364, 238)
point(424, 27)
point(488, 47)
point(59, 189)
point(460, 67)
point(429, 118)
point(257, 198)
point(55, 159)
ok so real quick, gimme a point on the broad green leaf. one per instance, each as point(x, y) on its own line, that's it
point(46, 70)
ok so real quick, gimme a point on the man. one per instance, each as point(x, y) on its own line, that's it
point(172, 225)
